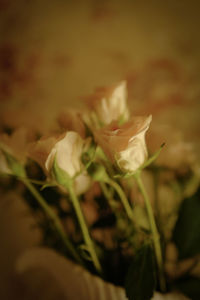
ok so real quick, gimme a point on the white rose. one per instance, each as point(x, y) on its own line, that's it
point(125, 144)
point(68, 152)
point(134, 155)
point(110, 104)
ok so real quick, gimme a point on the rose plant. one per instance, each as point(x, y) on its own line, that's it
point(96, 163)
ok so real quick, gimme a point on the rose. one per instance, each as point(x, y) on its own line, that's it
point(68, 153)
point(71, 120)
point(67, 150)
point(39, 150)
point(125, 145)
point(13, 151)
point(109, 104)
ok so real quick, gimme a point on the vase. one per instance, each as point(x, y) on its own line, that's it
point(59, 276)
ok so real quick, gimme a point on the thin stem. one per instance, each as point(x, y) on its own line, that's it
point(123, 198)
point(109, 198)
point(154, 231)
point(155, 185)
point(105, 190)
point(50, 213)
point(84, 228)
point(34, 181)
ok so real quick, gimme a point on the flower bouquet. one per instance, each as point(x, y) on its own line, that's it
point(103, 203)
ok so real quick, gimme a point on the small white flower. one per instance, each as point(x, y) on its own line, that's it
point(68, 152)
point(134, 155)
point(110, 104)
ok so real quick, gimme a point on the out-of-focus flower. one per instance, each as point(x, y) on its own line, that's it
point(39, 150)
point(177, 154)
point(178, 268)
point(71, 120)
point(4, 167)
point(90, 211)
point(14, 148)
point(110, 104)
point(17, 143)
point(67, 150)
point(125, 144)
point(168, 203)
point(24, 117)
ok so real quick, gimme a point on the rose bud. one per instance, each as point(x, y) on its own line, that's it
point(67, 150)
point(109, 104)
point(70, 120)
point(125, 145)
point(13, 151)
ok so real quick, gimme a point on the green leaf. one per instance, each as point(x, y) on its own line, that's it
point(15, 166)
point(186, 233)
point(152, 158)
point(61, 176)
point(190, 287)
point(140, 281)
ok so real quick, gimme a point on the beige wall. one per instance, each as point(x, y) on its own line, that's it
point(56, 52)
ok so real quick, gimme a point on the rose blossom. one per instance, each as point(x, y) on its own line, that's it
point(125, 144)
point(71, 120)
point(67, 150)
point(110, 104)
point(15, 145)
point(178, 154)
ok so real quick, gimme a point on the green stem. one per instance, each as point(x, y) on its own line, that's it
point(109, 198)
point(84, 228)
point(155, 185)
point(50, 213)
point(105, 190)
point(123, 198)
point(154, 231)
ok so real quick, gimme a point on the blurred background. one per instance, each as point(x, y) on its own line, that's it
point(54, 53)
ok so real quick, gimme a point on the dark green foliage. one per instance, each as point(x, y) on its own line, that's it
point(190, 286)
point(115, 265)
point(187, 230)
point(107, 220)
point(140, 281)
